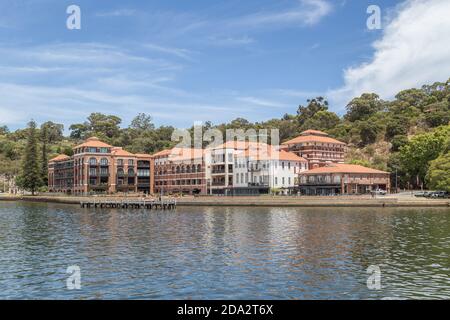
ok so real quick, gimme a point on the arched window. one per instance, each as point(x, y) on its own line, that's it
point(93, 161)
point(104, 162)
point(131, 172)
point(199, 168)
point(120, 172)
point(178, 169)
point(188, 169)
point(183, 170)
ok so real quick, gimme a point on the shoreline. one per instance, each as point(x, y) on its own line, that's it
point(261, 201)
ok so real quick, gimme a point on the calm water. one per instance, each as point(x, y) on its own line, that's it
point(223, 253)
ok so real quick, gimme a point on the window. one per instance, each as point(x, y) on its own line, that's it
point(103, 150)
point(104, 162)
point(144, 173)
point(92, 171)
point(93, 161)
point(120, 172)
point(289, 180)
point(237, 177)
point(283, 181)
point(120, 162)
point(276, 180)
point(131, 162)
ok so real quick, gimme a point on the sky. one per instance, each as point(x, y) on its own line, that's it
point(198, 60)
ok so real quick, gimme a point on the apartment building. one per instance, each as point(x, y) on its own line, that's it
point(97, 167)
point(251, 168)
point(334, 179)
point(179, 171)
point(328, 174)
point(317, 147)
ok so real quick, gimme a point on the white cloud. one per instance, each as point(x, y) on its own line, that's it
point(117, 13)
point(413, 50)
point(178, 52)
point(306, 12)
point(261, 102)
point(230, 41)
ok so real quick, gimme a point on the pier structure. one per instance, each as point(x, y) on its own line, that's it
point(130, 204)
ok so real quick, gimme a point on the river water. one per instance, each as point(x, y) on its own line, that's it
point(224, 253)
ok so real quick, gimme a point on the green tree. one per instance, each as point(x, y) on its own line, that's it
point(314, 106)
point(363, 107)
point(322, 120)
point(398, 142)
point(30, 176)
point(420, 150)
point(142, 122)
point(438, 175)
point(44, 135)
point(368, 131)
point(4, 130)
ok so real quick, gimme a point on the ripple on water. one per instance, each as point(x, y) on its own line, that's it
point(223, 253)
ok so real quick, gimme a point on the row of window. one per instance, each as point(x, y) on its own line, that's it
point(186, 182)
point(182, 169)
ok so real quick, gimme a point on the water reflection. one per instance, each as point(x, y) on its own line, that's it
point(229, 253)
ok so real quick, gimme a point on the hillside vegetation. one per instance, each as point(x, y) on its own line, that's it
point(408, 135)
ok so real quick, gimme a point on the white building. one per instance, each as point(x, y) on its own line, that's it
point(247, 168)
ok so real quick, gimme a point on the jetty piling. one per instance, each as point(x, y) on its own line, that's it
point(131, 204)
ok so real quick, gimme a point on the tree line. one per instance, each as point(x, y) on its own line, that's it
point(408, 135)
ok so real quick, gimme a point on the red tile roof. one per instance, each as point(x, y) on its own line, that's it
point(143, 155)
point(314, 132)
point(179, 153)
point(61, 157)
point(343, 168)
point(117, 151)
point(313, 138)
point(93, 142)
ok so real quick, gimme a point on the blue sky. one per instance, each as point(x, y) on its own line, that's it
point(185, 61)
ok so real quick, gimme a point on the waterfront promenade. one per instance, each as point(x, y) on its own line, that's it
point(397, 200)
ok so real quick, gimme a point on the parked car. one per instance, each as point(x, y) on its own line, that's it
point(440, 194)
point(380, 192)
point(420, 194)
point(427, 194)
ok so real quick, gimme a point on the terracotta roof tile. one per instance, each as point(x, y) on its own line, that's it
point(116, 151)
point(313, 138)
point(61, 157)
point(93, 142)
point(314, 132)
